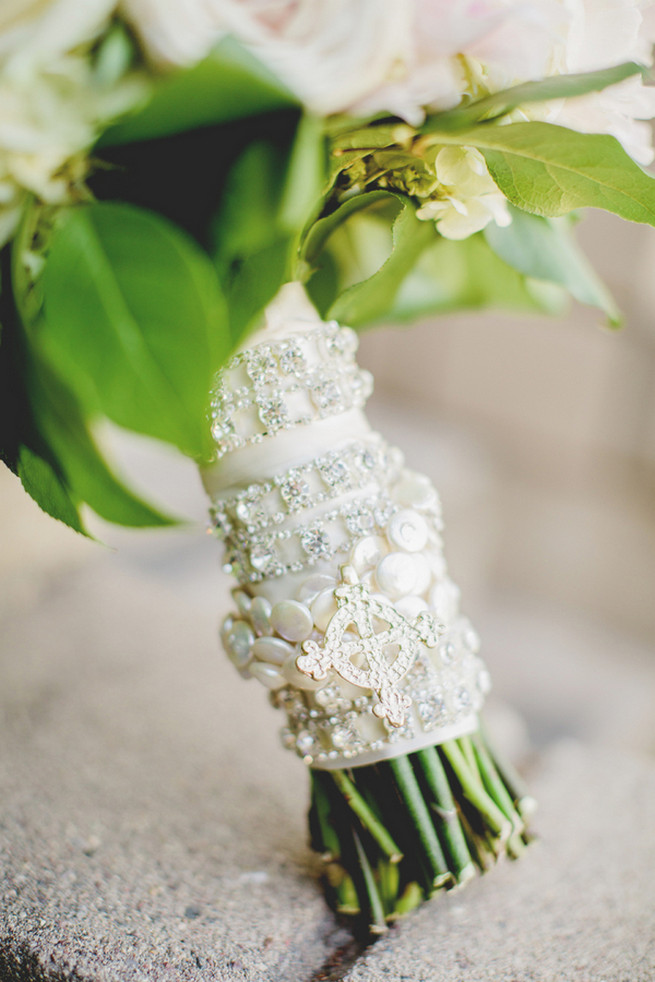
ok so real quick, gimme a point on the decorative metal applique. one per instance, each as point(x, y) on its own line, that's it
point(381, 652)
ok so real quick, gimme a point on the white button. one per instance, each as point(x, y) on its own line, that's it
point(408, 530)
point(273, 650)
point(368, 552)
point(396, 574)
point(292, 620)
point(260, 615)
point(268, 675)
point(323, 609)
point(410, 607)
point(313, 585)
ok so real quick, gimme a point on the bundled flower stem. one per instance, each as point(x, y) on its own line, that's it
point(394, 833)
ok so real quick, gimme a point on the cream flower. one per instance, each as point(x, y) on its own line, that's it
point(373, 56)
point(466, 198)
point(330, 55)
point(52, 105)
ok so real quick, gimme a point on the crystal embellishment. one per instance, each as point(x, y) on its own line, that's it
point(287, 383)
point(374, 659)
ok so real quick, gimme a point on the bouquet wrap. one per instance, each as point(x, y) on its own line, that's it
point(344, 609)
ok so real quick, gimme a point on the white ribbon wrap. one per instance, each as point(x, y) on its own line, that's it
point(345, 610)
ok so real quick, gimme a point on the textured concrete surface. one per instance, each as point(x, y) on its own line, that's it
point(148, 830)
point(578, 907)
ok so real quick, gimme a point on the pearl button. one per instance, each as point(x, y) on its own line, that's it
point(260, 615)
point(238, 643)
point(324, 607)
point(396, 574)
point(313, 585)
point(368, 552)
point(268, 675)
point(408, 530)
point(410, 607)
point(273, 650)
point(292, 620)
point(242, 600)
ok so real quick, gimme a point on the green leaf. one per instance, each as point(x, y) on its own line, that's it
point(305, 175)
point(252, 283)
point(44, 485)
point(248, 217)
point(546, 250)
point(550, 170)
point(467, 275)
point(321, 230)
point(229, 84)
point(545, 90)
point(371, 299)
point(270, 194)
point(86, 472)
point(134, 322)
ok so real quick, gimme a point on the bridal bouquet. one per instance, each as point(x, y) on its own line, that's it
point(176, 176)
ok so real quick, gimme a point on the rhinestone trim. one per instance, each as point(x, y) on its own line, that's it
point(283, 384)
point(253, 554)
point(304, 487)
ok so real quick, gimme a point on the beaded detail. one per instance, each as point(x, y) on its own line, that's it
point(279, 385)
point(304, 487)
point(253, 554)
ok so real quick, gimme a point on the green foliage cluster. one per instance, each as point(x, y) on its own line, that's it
point(217, 191)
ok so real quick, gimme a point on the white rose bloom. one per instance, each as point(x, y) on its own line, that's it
point(51, 104)
point(330, 55)
point(605, 33)
point(369, 56)
point(466, 197)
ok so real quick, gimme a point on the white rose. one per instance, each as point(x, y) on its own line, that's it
point(605, 33)
point(330, 55)
point(40, 30)
point(51, 104)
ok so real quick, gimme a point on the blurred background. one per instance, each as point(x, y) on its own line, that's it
point(540, 435)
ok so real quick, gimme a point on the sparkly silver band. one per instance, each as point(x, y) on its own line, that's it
point(304, 487)
point(257, 554)
point(282, 384)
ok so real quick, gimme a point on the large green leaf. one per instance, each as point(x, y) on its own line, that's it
point(229, 84)
point(451, 276)
point(545, 249)
point(270, 194)
point(544, 90)
point(321, 230)
point(43, 435)
point(370, 300)
point(85, 470)
point(134, 322)
point(550, 170)
point(45, 485)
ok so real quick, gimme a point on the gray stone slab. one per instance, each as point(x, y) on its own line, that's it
point(578, 907)
point(151, 826)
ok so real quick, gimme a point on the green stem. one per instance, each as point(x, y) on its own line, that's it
point(499, 792)
point(410, 793)
point(475, 792)
point(524, 802)
point(366, 816)
point(326, 823)
point(377, 920)
point(446, 818)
